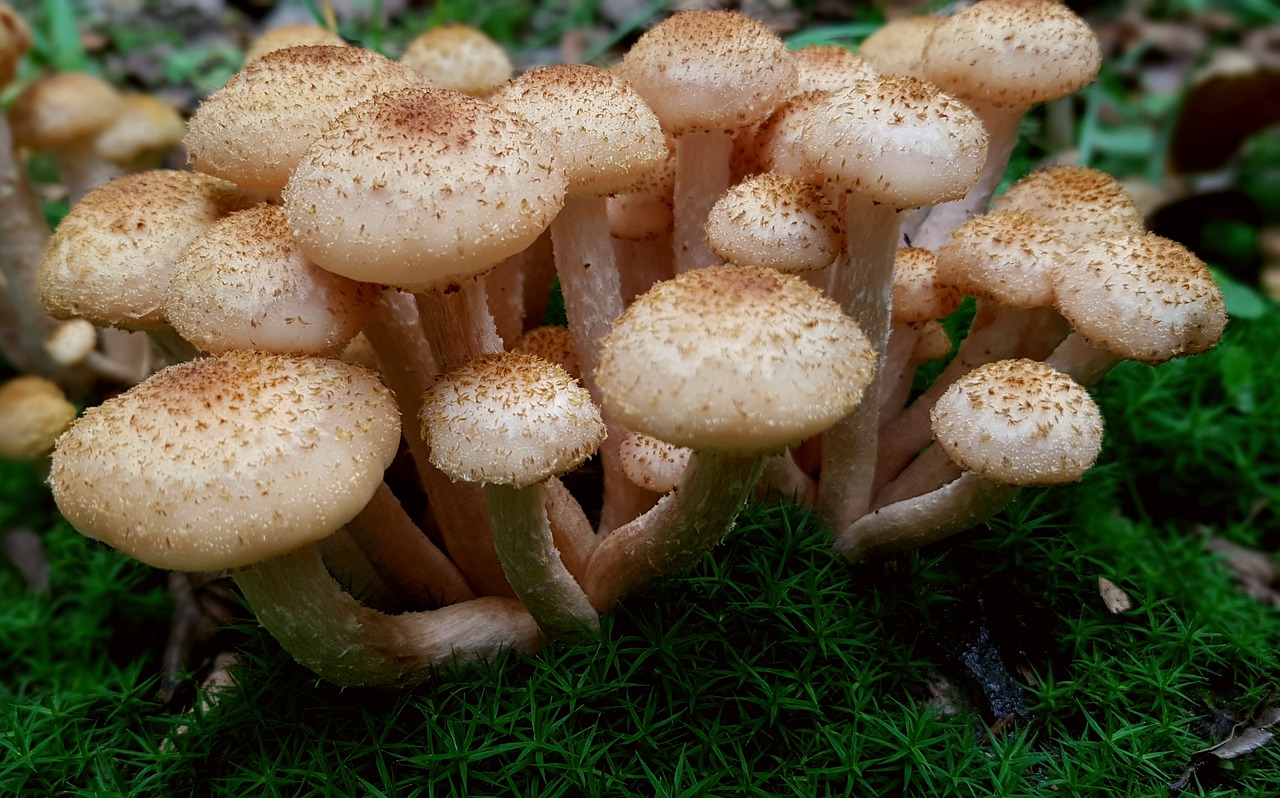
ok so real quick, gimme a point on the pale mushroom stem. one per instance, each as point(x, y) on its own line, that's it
point(996, 333)
point(702, 175)
point(642, 263)
point(172, 347)
point(523, 538)
point(930, 470)
point(574, 537)
point(899, 370)
point(683, 526)
point(341, 640)
point(1002, 135)
point(1082, 361)
point(82, 170)
point(925, 519)
point(404, 557)
point(864, 289)
point(458, 324)
point(783, 477)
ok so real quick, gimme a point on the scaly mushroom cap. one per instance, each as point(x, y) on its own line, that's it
point(710, 70)
point(919, 294)
point(244, 284)
point(1084, 203)
point(283, 37)
point(509, 419)
point(15, 42)
point(423, 188)
point(1012, 53)
point(34, 412)
point(254, 130)
point(1007, 256)
point(223, 461)
point(110, 259)
point(144, 132)
point(733, 358)
point(1019, 422)
point(646, 210)
point(652, 464)
point(775, 221)
point(776, 144)
point(606, 138)
point(458, 57)
point(63, 109)
point(830, 67)
point(1142, 297)
point(553, 344)
point(897, 47)
point(897, 140)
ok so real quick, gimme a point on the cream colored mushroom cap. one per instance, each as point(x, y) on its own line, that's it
point(733, 358)
point(776, 144)
point(458, 57)
point(645, 211)
point(829, 67)
point(33, 413)
point(897, 47)
point(1019, 422)
point(553, 344)
point(223, 461)
point(775, 221)
point(606, 138)
point(652, 464)
point(111, 257)
point(710, 70)
point(244, 284)
point(63, 109)
point(15, 42)
point(423, 188)
point(1007, 256)
point(919, 293)
point(1012, 53)
point(255, 129)
point(897, 140)
point(283, 37)
point(1084, 203)
point(509, 419)
point(1142, 297)
point(146, 128)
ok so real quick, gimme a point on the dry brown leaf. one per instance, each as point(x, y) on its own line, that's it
point(1116, 600)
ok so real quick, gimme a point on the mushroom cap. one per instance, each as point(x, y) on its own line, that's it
point(919, 293)
point(830, 67)
point(776, 144)
point(897, 140)
point(775, 221)
point(1012, 53)
point(1006, 256)
point(111, 257)
point(423, 188)
point(64, 109)
point(553, 344)
point(244, 284)
point(509, 419)
point(1019, 422)
point(605, 137)
point(652, 464)
point(1142, 297)
point(1084, 203)
point(897, 47)
point(71, 341)
point(15, 42)
point(254, 130)
point(35, 412)
point(709, 71)
point(224, 461)
point(733, 358)
point(145, 130)
point(283, 37)
point(646, 210)
point(458, 57)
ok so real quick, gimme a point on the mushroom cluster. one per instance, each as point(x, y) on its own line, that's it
point(360, 263)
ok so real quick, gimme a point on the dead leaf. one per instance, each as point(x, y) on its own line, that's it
point(1116, 600)
point(1255, 571)
point(203, 604)
point(1245, 738)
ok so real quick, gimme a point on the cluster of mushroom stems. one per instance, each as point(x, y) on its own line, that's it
point(358, 265)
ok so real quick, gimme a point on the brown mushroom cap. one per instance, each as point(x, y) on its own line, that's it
point(244, 284)
point(553, 344)
point(64, 109)
point(733, 358)
point(458, 57)
point(1084, 203)
point(220, 462)
point(110, 259)
point(897, 140)
point(1019, 422)
point(254, 130)
point(606, 138)
point(775, 221)
point(1007, 256)
point(710, 70)
point(422, 188)
point(1142, 297)
point(33, 413)
point(509, 419)
point(15, 42)
point(1012, 53)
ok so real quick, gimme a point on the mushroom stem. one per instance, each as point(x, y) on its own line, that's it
point(925, 519)
point(682, 527)
point(341, 640)
point(930, 470)
point(702, 175)
point(457, 323)
point(404, 557)
point(864, 288)
point(574, 538)
point(1082, 361)
point(523, 538)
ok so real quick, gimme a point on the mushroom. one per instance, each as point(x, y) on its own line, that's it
point(35, 413)
point(458, 57)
